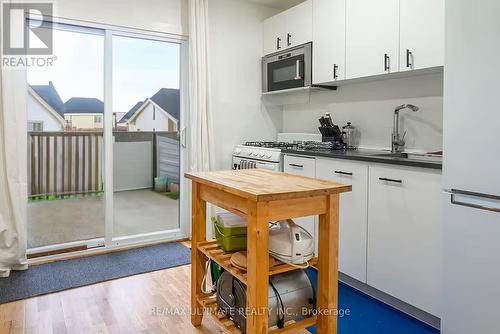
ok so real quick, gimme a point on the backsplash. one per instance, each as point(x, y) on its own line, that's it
point(370, 108)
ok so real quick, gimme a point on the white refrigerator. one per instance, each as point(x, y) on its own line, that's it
point(471, 168)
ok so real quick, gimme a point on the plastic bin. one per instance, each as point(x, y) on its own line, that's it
point(161, 184)
point(230, 232)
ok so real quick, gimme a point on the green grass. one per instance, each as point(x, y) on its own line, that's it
point(172, 194)
point(60, 197)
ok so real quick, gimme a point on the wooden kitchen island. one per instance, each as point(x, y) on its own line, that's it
point(261, 196)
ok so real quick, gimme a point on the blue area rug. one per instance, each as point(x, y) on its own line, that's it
point(62, 275)
point(370, 316)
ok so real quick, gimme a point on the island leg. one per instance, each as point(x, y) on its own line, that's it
point(328, 267)
point(257, 268)
point(199, 215)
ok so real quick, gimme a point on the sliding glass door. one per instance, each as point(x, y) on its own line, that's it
point(65, 112)
point(146, 150)
point(104, 140)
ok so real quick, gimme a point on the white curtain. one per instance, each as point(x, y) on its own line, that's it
point(201, 141)
point(13, 164)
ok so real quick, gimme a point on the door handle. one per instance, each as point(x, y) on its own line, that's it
point(288, 36)
point(390, 180)
point(387, 64)
point(297, 71)
point(295, 165)
point(342, 173)
point(183, 137)
point(278, 43)
point(409, 56)
point(335, 68)
point(454, 192)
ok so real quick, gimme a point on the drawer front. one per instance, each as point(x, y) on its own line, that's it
point(299, 165)
point(305, 167)
point(353, 213)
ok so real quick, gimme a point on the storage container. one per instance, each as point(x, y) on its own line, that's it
point(160, 184)
point(230, 232)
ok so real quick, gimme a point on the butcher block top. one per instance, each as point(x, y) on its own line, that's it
point(265, 185)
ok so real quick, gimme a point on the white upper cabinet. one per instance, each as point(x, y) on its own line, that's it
point(372, 37)
point(274, 31)
point(288, 29)
point(421, 34)
point(361, 38)
point(328, 40)
point(299, 24)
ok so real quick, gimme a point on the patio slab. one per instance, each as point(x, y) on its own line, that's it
point(135, 212)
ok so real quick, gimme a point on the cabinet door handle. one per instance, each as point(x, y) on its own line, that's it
point(335, 68)
point(342, 173)
point(278, 43)
point(288, 37)
point(387, 65)
point(295, 165)
point(409, 55)
point(390, 180)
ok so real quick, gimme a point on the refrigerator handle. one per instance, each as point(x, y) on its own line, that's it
point(454, 193)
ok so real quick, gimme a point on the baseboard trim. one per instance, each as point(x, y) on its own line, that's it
point(400, 305)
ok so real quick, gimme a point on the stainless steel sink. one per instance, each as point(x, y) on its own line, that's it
point(413, 156)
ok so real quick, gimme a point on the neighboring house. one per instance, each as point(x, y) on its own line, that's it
point(157, 113)
point(84, 113)
point(45, 108)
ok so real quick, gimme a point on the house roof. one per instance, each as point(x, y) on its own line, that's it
point(84, 105)
point(166, 98)
point(169, 100)
point(132, 111)
point(50, 95)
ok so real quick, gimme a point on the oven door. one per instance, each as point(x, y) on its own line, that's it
point(287, 70)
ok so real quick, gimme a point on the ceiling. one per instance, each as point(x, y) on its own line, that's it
point(278, 4)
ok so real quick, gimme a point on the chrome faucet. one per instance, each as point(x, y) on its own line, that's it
point(398, 142)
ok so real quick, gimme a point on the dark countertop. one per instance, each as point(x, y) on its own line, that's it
point(369, 156)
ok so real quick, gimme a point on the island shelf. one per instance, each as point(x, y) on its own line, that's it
point(260, 196)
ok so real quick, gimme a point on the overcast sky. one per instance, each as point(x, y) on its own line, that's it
point(140, 68)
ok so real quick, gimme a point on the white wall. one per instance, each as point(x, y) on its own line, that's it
point(169, 16)
point(37, 112)
point(145, 122)
point(370, 107)
point(235, 53)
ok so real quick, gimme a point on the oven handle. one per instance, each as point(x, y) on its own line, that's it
point(247, 164)
point(297, 70)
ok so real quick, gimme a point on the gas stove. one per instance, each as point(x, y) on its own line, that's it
point(271, 144)
point(267, 154)
point(299, 145)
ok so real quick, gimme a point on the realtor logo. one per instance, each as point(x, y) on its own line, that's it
point(21, 37)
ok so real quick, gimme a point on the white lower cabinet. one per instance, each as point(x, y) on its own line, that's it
point(404, 234)
point(353, 213)
point(306, 167)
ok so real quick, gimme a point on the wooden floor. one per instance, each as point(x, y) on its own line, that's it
point(135, 304)
point(120, 306)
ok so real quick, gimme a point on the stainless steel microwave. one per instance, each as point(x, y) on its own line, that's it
point(291, 68)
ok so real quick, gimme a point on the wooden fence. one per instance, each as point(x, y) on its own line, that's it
point(71, 163)
point(64, 163)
